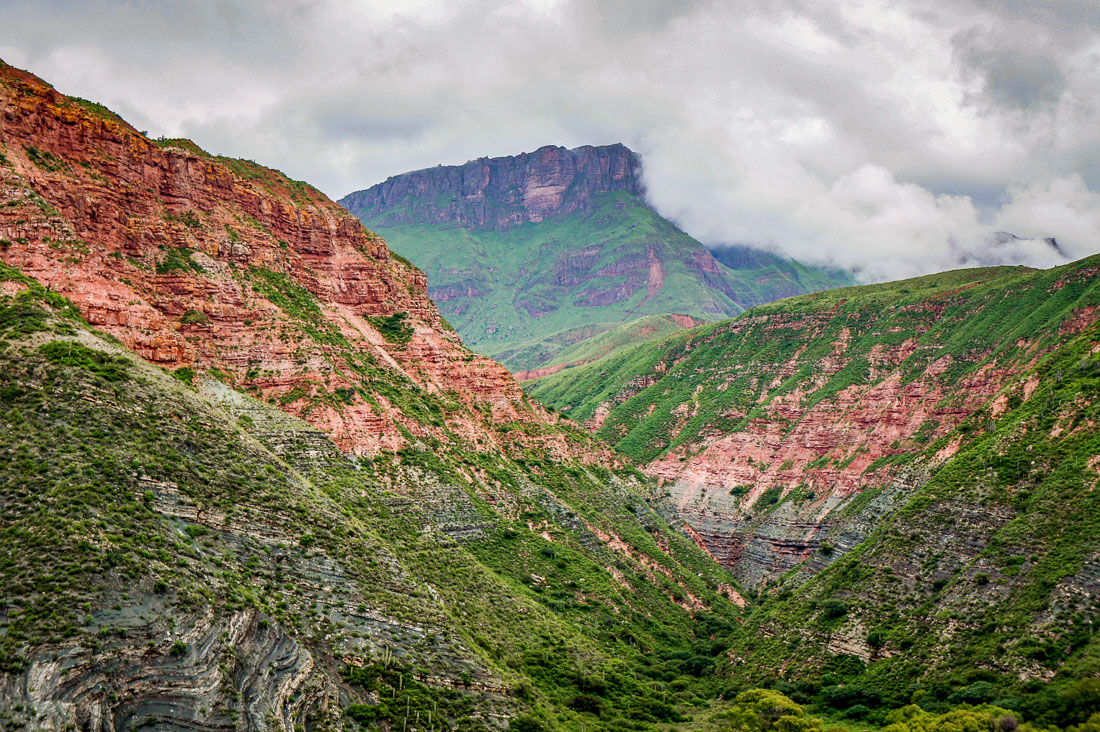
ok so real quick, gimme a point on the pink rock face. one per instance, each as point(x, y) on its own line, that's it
point(169, 248)
point(761, 483)
point(532, 187)
point(828, 452)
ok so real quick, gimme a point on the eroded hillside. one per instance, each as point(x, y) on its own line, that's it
point(218, 264)
point(795, 426)
point(270, 489)
point(908, 475)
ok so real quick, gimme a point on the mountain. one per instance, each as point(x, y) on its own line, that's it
point(907, 472)
point(821, 400)
point(522, 250)
point(250, 480)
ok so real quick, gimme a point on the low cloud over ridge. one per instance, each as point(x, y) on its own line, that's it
point(882, 136)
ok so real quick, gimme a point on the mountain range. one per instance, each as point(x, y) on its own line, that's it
point(531, 254)
point(252, 479)
point(907, 471)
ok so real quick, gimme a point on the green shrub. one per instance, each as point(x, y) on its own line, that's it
point(188, 218)
point(74, 353)
point(525, 723)
point(44, 160)
point(393, 328)
point(186, 374)
point(178, 259)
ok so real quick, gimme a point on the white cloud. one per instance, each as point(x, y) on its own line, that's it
point(880, 134)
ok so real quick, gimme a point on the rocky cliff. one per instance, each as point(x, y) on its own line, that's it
point(498, 193)
point(222, 265)
point(524, 252)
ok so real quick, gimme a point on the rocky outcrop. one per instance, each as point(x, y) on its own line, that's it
point(497, 193)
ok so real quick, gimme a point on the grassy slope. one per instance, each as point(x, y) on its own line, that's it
point(589, 343)
point(966, 313)
point(516, 276)
point(105, 458)
point(1006, 597)
point(984, 583)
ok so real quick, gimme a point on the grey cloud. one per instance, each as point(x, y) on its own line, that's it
point(869, 136)
point(1013, 74)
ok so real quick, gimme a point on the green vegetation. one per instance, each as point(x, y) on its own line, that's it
point(187, 217)
point(193, 317)
point(588, 343)
point(96, 109)
point(186, 374)
point(101, 448)
point(969, 316)
point(177, 259)
point(393, 327)
point(74, 353)
point(180, 534)
point(44, 159)
point(503, 291)
point(183, 143)
point(960, 595)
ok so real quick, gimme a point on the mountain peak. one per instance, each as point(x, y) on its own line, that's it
point(499, 193)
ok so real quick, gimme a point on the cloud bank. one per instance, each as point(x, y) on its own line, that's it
point(894, 137)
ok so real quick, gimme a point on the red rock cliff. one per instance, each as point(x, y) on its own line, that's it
point(223, 265)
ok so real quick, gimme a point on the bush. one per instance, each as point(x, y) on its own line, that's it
point(525, 723)
point(392, 328)
point(185, 374)
point(74, 353)
point(851, 695)
point(1078, 703)
point(833, 609)
point(587, 704)
point(178, 649)
point(362, 713)
point(765, 710)
point(979, 692)
point(770, 497)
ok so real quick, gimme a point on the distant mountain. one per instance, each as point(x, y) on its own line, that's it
point(519, 249)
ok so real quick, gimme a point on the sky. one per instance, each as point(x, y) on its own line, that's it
point(892, 137)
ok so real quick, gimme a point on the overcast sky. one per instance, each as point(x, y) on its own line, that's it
point(894, 137)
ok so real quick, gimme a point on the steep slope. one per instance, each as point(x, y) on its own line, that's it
point(306, 505)
point(190, 557)
point(802, 418)
point(520, 248)
point(984, 585)
point(589, 343)
point(907, 472)
point(218, 264)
